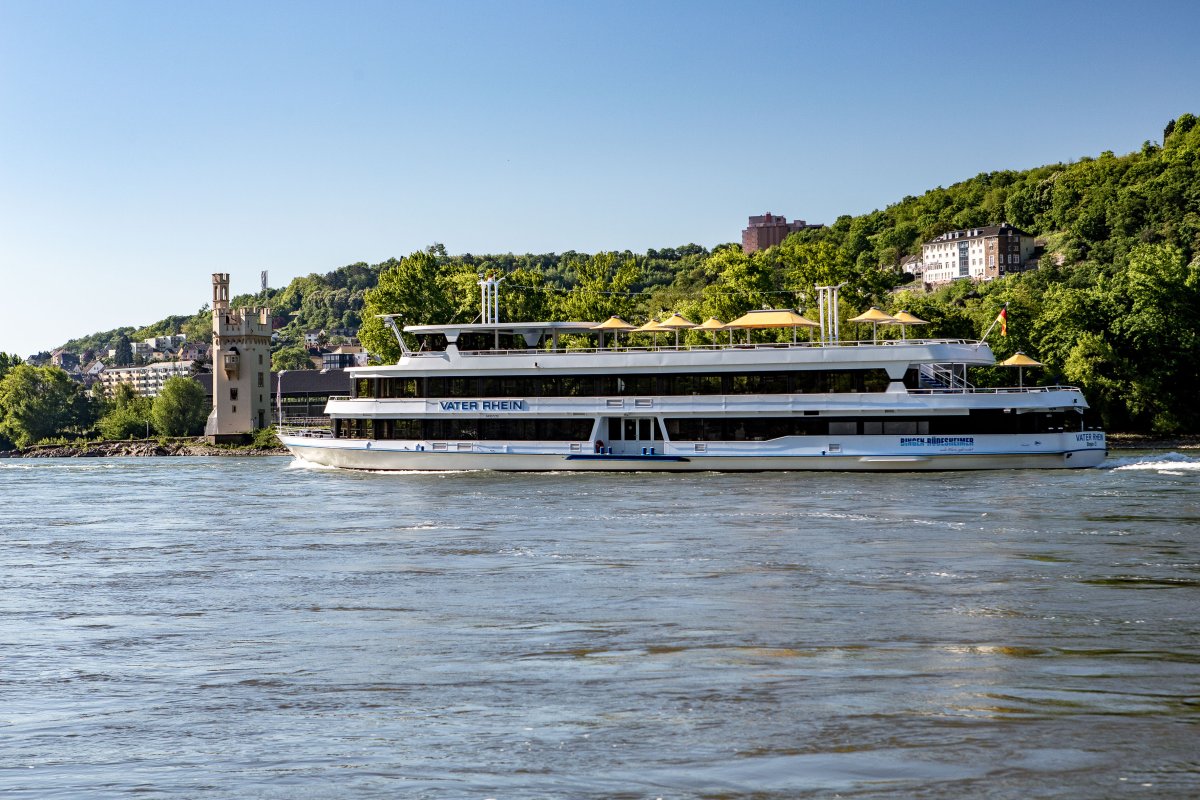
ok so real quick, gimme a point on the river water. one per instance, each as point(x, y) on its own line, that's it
point(220, 628)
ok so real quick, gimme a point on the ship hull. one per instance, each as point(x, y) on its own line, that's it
point(375, 456)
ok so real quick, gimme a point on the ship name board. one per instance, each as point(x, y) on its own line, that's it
point(937, 441)
point(483, 405)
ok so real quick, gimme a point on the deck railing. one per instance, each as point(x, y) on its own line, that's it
point(307, 427)
point(996, 389)
point(690, 347)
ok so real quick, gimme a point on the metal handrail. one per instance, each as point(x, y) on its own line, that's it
point(692, 347)
point(944, 375)
point(309, 422)
point(996, 390)
point(324, 430)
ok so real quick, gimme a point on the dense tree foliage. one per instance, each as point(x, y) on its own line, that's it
point(123, 351)
point(180, 409)
point(100, 342)
point(416, 290)
point(291, 357)
point(7, 362)
point(39, 402)
point(127, 415)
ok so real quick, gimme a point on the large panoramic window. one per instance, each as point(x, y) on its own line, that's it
point(642, 385)
point(732, 429)
point(461, 428)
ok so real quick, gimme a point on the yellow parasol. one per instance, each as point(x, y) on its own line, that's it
point(614, 324)
point(653, 326)
point(677, 322)
point(772, 318)
point(712, 324)
point(874, 316)
point(904, 319)
point(1020, 361)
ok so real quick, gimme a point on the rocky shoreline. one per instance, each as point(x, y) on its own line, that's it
point(141, 448)
point(1142, 441)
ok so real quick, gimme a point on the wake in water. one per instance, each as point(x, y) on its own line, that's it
point(1174, 463)
point(76, 465)
point(297, 463)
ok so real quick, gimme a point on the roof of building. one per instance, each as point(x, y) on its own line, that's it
point(976, 233)
point(769, 220)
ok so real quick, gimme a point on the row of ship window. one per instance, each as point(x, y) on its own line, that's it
point(757, 428)
point(782, 382)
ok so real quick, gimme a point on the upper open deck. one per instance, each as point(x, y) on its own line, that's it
point(763, 340)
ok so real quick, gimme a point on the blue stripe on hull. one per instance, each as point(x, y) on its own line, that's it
point(629, 457)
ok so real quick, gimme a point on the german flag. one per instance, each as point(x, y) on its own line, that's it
point(1003, 320)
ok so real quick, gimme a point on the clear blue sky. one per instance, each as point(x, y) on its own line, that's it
point(145, 145)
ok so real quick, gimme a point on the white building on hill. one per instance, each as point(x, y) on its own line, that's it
point(981, 254)
point(146, 381)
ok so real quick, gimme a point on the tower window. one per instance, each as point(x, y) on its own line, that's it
point(233, 394)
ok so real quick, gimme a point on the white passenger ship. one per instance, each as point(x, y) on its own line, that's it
point(515, 396)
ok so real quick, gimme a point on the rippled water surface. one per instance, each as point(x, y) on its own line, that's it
point(224, 628)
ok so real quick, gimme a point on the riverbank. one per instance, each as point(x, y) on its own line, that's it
point(141, 448)
point(1142, 441)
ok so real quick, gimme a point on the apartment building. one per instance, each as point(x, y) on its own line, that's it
point(980, 254)
point(146, 381)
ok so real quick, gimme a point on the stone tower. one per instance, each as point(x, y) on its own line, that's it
point(241, 368)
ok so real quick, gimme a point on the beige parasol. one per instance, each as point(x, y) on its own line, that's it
point(772, 318)
point(874, 316)
point(712, 324)
point(677, 322)
point(1020, 361)
point(614, 324)
point(904, 319)
point(653, 326)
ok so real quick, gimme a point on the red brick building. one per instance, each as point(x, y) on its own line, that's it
point(769, 230)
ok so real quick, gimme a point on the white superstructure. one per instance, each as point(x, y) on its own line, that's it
point(527, 396)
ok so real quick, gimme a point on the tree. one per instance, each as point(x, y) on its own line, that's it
point(198, 327)
point(124, 351)
point(180, 409)
point(7, 362)
point(128, 415)
point(36, 403)
point(604, 288)
point(743, 282)
point(412, 288)
point(292, 357)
